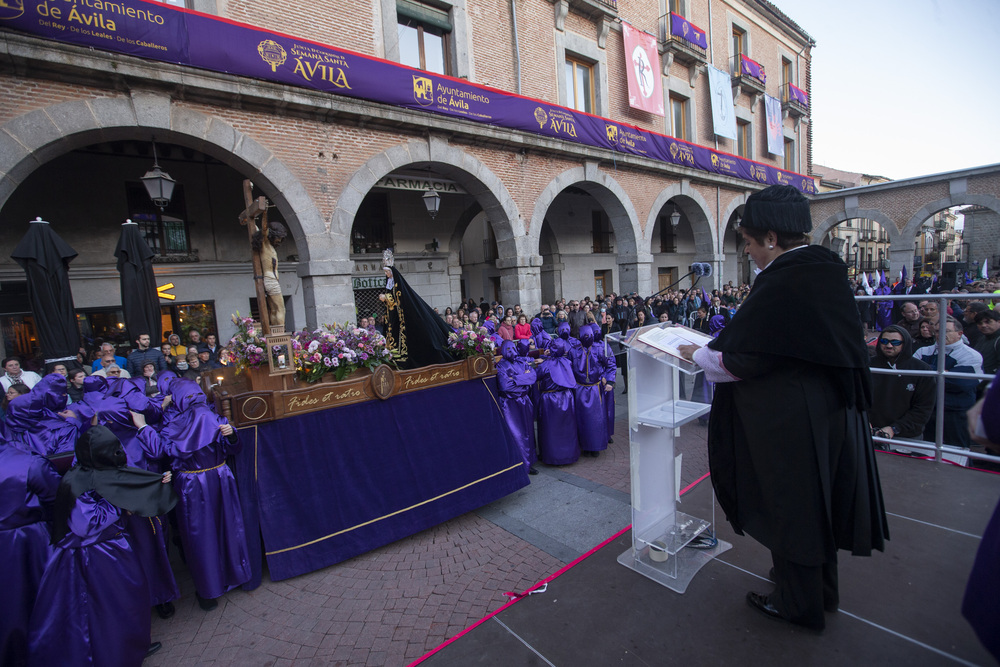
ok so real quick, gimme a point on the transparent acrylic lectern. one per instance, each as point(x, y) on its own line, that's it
point(660, 533)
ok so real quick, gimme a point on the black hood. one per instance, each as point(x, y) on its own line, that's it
point(904, 354)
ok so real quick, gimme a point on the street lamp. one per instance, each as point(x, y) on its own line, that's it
point(432, 200)
point(857, 259)
point(159, 184)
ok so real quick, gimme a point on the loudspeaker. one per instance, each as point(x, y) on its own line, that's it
point(952, 274)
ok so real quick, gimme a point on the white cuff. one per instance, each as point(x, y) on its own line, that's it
point(711, 362)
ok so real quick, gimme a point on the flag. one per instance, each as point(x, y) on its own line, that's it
point(775, 136)
point(720, 85)
point(752, 68)
point(645, 87)
point(796, 94)
point(681, 27)
point(985, 273)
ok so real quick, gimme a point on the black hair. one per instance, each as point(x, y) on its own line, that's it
point(785, 240)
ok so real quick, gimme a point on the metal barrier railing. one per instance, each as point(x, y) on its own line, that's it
point(937, 447)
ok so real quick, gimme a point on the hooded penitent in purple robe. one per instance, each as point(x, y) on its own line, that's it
point(93, 600)
point(591, 419)
point(557, 435)
point(610, 366)
point(31, 424)
point(883, 311)
point(516, 378)
point(27, 482)
point(209, 517)
point(538, 334)
point(563, 332)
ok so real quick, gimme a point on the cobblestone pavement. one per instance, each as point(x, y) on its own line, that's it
point(391, 605)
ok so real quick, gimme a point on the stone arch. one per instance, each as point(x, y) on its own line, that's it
point(821, 230)
point(29, 141)
point(695, 209)
point(621, 213)
point(450, 161)
point(913, 224)
point(608, 193)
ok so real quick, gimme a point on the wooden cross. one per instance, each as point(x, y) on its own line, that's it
point(248, 218)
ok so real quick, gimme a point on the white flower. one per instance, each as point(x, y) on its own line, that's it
point(313, 346)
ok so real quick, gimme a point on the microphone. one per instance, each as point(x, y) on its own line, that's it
point(701, 269)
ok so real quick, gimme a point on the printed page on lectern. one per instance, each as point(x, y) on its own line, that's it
point(670, 339)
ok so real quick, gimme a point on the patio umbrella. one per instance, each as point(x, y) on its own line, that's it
point(45, 259)
point(140, 301)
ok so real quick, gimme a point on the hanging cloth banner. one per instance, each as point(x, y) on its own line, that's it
point(642, 62)
point(164, 33)
point(723, 111)
point(775, 136)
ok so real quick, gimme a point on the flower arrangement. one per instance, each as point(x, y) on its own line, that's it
point(247, 347)
point(470, 343)
point(337, 349)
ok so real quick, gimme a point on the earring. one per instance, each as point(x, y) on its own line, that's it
point(770, 247)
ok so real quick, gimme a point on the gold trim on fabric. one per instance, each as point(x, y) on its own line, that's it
point(195, 472)
point(392, 514)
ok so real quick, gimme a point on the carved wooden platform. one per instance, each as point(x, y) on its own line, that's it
point(253, 398)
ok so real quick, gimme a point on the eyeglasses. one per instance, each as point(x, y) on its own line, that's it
point(886, 341)
point(114, 372)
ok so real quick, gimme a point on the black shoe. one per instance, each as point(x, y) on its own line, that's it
point(762, 603)
point(625, 390)
point(165, 610)
point(532, 470)
point(208, 604)
point(611, 441)
point(153, 648)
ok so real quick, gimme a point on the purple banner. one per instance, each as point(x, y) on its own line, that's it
point(681, 27)
point(164, 33)
point(796, 94)
point(752, 68)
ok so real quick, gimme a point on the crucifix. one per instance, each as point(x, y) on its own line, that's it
point(262, 241)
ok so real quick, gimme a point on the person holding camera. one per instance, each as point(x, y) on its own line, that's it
point(901, 404)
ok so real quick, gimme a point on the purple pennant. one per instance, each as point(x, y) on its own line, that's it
point(752, 68)
point(162, 33)
point(796, 94)
point(681, 27)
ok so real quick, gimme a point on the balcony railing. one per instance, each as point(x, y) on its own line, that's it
point(682, 40)
point(794, 100)
point(603, 242)
point(748, 74)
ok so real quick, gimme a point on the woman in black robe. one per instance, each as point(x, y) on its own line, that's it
point(790, 448)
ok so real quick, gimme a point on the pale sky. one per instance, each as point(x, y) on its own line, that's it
point(903, 88)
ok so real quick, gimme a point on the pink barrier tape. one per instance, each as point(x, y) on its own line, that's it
point(542, 585)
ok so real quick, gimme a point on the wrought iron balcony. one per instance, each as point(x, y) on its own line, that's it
point(794, 100)
point(748, 75)
point(682, 40)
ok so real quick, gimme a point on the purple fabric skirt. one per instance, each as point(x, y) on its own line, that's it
point(558, 443)
point(210, 522)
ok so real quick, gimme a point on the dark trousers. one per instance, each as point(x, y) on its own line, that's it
point(803, 592)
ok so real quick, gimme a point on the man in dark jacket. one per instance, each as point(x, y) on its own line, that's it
point(959, 393)
point(144, 355)
point(901, 404)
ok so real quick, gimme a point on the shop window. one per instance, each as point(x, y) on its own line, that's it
point(423, 32)
point(579, 85)
point(166, 231)
point(372, 232)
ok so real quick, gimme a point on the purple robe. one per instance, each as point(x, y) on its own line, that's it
point(610, 366)
point(209, 517)
point(93, 600)
point(883, 311)
point(557, 435)
point(114, 402)
point(32, 426)
point(26, 482)
point(591, 418)
point(516, 378)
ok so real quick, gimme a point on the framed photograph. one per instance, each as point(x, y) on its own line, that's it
point(280, 359)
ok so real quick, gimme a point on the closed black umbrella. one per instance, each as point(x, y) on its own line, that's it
point(45, 259)
point(140, 301)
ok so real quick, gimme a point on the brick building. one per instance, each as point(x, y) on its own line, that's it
point(526, 215)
